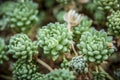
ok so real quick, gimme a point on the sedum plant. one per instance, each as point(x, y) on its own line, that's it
point(99, 76)
point(37, 76)
point(20, 46)
point(113, 23)
point(82, 27)
point(24, 70)
point(54, 39)
point(60, 74)
point(3, 53)
point(79, 64)
point(108, 5)
point(22, 16)
point(65, 63)
point(95, 45)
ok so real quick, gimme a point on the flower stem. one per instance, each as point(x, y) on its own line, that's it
point(44, 64)
point(108, 76)
point(76, 54)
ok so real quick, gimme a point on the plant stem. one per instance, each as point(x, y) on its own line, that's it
point(6, 77)
point(108, 76)
point(44, 64)
point(76, 54)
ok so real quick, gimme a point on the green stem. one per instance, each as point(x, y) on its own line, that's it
point(6, 77)
point(44, 64)
point(108, 76)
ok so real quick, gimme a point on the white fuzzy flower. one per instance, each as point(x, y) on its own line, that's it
point(72, 18)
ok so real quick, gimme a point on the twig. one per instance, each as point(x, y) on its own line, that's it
point(6, 77)
point(44, 64)
point(108, 76)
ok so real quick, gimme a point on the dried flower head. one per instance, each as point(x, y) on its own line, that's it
point(72, 18)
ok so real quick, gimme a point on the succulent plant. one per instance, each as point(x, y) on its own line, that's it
point(23, 70)
point(63, 1)
point(3, 53)
point(108, 5)
point(95, 45)
point(60, 74)
point(54, 39)
point(99, 76)
point(37, 76)
point(59, 16)
point(84, 25)
point(79, 64)
point(23, 16)
point(65, 64)
point(113, 23)
point(20, 46)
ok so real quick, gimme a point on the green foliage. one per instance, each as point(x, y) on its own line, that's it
point(24, 70)
point(114, 24)
point(63, 1)
point(21, 15)
point(79, 64)
point(65, 64)
point(82, 27)
point(95, 45)
point(54, 39)
point(37, 76)
point(60, 74)
point(59, 16)
point(108, 5)
point(3, 53)
point(20, 46)
point(98, 15)
point(99, 76)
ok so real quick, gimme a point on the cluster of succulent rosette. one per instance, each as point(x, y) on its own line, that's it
point(20, 15)
point(55, 39)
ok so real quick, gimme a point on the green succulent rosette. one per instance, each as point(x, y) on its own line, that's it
point(99, 76)
point(3, 52)
point(60, 74)
point(37, 76)
point(20, 46)
point(21, 16)
point(54, 39)
point(24, 70)
point(84, 25)
point(65, 64)
point(79, 64)
point(108, 5)
point(114, 24)
point(95, 45)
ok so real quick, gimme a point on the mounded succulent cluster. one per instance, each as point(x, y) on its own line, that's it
point(20, 46)
point(63, 1)
point(60, 74)
point(84, 25)
point(24, 70)
point(99, 76)
point(55, 39)
point(114, 23)
point(3, 54)
point(22, 15)
point(108, 5)
point(95, 45)
point(79, 64)
point(37, 76)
